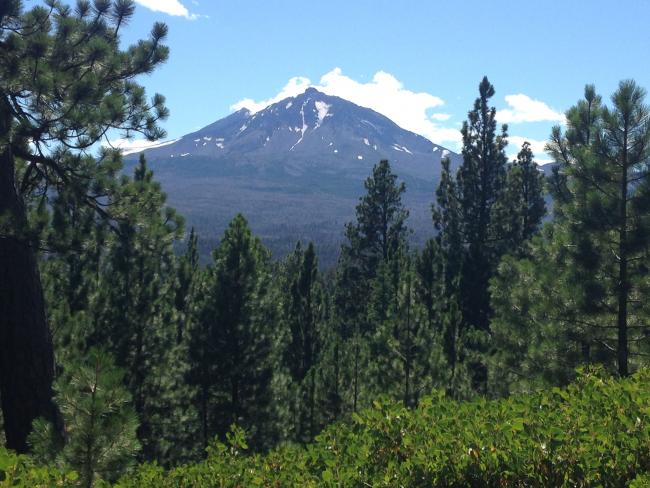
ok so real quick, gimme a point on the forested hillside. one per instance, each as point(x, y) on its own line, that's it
point(442, 365)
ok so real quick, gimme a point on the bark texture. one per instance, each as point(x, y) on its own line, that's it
point(26, 351)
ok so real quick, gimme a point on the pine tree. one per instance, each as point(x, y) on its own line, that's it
point(480, 183)
point(230, 343)
point(522, 207)
point(376, 237)
point(443, 263)
point(407, 360)
point(468, 215)
point(380, 229)
point(65, 83)
point(134, 314)
point(76, 241)
point(608, 176)
point(304, 314)
point(101, 423)
point(331, 366)
point(188, 272)
point(577, 297)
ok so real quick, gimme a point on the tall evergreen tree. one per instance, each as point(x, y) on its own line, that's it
point(134, 313)
point(480, 183)
point(609, 179)
point(407, 360)
point(564, 305)
point(377, 236)
point(470, 234)
point(442, 262)
point(304, 315)
point(188, 274)
point(64, 83)
point(230, 343)
point(522, 207)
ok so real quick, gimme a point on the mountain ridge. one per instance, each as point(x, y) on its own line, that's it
point(295, 169)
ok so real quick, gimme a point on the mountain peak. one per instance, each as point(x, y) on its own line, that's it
point(312, 131)
point(312, 91)
point(296, 168)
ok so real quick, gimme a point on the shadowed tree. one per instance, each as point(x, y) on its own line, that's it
point(579, 295)
point(64, 83)
point(230, 339)
point(376, 237)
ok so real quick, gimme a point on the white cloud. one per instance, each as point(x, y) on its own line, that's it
point(295, 86)
point(169, 7)
point(537, 146)
point(525, 109)
point(130, 146)
point(384, 94)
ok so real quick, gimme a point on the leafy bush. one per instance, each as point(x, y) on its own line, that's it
point(21, 472)
point(594, 433)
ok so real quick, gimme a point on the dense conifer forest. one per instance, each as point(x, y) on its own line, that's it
point(510, 350)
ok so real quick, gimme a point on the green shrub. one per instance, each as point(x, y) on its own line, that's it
point(21, 472)
point(594, 433)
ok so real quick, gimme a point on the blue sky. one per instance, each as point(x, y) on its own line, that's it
point(418, 62)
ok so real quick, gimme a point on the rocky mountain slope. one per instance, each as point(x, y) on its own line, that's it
point(295, 169)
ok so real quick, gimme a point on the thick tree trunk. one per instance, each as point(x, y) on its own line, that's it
point(26, 352)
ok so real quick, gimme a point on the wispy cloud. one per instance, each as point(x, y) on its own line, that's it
point(525, 109)
point(169, 7)
point(130, 146)
point(384, 94)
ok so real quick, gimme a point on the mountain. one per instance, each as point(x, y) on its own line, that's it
point(295, 170)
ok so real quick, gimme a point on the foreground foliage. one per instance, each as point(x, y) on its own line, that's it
point(593, 433)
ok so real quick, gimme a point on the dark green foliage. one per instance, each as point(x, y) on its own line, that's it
point(478, 219)
point(116, 289)
point(134, 315)
point(101, 441)
point(578, 298)
point(188, 274)
point(304, 314)
point(374, 241)
point(380, 228)
point(406, 359)
point(522, 207)
point(479, 185)
point(593, 433)
point(230, 340)
point(65, 82)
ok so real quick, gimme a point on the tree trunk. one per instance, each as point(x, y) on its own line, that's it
point(356, 374)
point(623, 284)
point(26, 351)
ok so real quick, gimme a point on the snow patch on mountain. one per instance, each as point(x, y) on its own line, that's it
point(323, 111)
point(370, 124)
point(304, 125)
